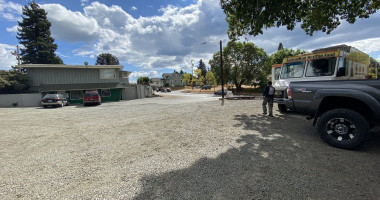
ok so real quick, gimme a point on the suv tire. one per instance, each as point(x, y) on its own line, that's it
point(343, 128)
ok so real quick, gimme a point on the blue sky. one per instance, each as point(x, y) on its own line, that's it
point(151, 37)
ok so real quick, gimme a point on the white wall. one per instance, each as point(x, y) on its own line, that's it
point(137, 92)
point(23, 100)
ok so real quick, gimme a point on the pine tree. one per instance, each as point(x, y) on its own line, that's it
point(202, 67)
point(280, 46)
point(106, 59)
point(34, 34)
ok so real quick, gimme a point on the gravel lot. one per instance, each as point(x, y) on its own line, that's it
point(177, 147)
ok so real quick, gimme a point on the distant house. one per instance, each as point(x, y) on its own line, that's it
point(156, 82)
point(73, 80)
point(174, 79)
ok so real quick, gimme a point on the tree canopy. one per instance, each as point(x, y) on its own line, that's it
point(34, 34)
point(252, 16)
point(106, 59)
point(202, 67)
point(12, 82)
point(280, 46)
point(242, 63)
point(210, 78)
point(143, 80)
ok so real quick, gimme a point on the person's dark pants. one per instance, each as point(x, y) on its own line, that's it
point(268, 101)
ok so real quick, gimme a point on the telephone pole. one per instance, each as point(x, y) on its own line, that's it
point(16, 53)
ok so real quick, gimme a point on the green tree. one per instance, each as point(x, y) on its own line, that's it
point(34, 34)
point(106, 59)
point(202, 67)
point(210, 79)
point(12, 82)
point(280, 46)
point(143, 80)
point(215, 68)
point(373, 68)
point(252, 16)
point(199, 79)
point(187, 79)
point(244, 61)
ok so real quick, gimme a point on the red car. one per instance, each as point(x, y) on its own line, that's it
point(91, 97)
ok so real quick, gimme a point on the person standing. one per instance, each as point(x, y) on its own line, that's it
point(268, 96)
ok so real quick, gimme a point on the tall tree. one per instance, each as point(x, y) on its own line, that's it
point(203, 68)
point(215, 68)
point(34, 34)
point(252, 16)
point(244, 61)
point(280, 46)
point(106, 59)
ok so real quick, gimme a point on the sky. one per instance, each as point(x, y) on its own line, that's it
point(151, 37)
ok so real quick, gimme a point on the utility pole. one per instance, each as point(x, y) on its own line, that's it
point(16, 53)
point(221, 69)
point(191, 77)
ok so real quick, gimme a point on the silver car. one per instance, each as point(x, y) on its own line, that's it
point(57, 100)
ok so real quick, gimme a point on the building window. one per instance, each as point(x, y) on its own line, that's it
point(76, 95)
point(107, 74)
point(106, 93)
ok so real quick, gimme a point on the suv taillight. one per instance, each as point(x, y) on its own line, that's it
point(289, 93)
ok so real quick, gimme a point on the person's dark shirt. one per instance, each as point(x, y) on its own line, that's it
point(266, 92)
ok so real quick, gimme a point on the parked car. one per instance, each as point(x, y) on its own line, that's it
point(91, 97)
point(219, 92)
point(57, 100)
point(207, 87)
point(163, 90)
point(168, 90)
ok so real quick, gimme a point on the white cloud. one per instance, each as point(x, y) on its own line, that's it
point(71, 26)
point(133, 8)
point(137, 74)
point(7, 59)
point(10, 11)
point(169, 40)
point(173, 38)
point(83, 2)
point(12, 29)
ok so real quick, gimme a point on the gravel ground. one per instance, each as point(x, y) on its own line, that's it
point(177, 147)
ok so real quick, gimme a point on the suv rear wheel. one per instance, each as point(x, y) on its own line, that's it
point(343, 128)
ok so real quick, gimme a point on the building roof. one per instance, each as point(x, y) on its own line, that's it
point(69, 66)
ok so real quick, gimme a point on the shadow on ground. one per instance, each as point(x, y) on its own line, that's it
point(279, 160)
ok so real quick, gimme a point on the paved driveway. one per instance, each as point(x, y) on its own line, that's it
point(182, 146)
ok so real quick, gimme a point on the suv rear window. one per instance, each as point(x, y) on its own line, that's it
point(88, 94)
